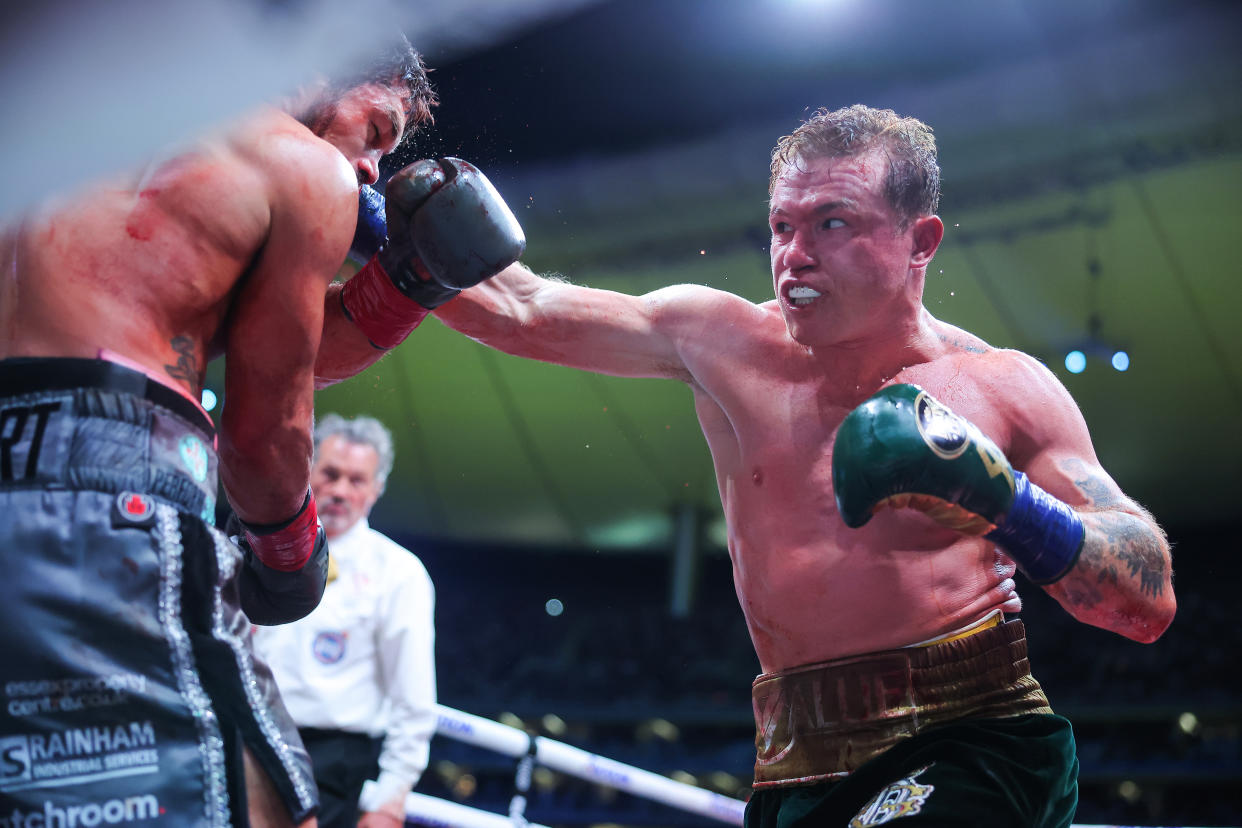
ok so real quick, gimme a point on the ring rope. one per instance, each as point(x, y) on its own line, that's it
point(572, 761)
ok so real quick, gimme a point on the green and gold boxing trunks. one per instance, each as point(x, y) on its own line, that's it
point(956, 732)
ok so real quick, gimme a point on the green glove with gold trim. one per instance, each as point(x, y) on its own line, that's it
point(903, 449)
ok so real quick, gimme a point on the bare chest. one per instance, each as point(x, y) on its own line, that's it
point(772, 435)
point(899, 579)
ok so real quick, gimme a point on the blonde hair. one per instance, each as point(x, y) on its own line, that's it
point(912, 186)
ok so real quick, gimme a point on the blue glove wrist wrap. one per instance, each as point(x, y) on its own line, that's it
point(1043, 535)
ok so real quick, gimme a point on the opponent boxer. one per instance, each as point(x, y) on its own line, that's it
point(132, 692)
point(893, 682)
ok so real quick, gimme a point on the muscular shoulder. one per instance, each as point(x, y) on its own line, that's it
point(297, 167)
point(1035, 406)
point(1016, 374)
point(712, 330)
point(698, 299)
point(994, 372)
point(697, 310)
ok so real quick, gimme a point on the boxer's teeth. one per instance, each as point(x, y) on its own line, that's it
point(802, 295)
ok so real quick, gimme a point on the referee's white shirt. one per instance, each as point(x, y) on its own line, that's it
point(364, 659)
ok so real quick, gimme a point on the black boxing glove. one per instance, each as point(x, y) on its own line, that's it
point(285, 567)
point(448, 229)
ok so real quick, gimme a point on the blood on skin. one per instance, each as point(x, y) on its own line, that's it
point(141, 223)
point(140, 231)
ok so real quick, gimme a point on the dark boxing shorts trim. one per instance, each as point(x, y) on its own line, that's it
point(153, 602)
point(245, 688)
point(107, 484)
point(24, 375)
point(94, 425)
point(210, 740)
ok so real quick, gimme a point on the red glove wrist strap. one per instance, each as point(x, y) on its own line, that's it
point(290, 547)
point(384, 314)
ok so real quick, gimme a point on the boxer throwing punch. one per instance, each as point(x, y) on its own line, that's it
point(890, 671)
point(135, 652)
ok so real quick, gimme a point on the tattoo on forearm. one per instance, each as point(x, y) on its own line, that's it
point(187, 363)
point(1128, 549)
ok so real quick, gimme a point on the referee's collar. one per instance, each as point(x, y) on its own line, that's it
point(352, 535)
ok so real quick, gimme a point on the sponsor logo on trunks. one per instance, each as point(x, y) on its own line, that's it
point(208, 515)
point(133, 508)
point(39, 696)
point(23, 426)
point(942, 430)
point(194, 455)
point(108, 812)
point(905, 797)
point(329, 647)
point(76, 755)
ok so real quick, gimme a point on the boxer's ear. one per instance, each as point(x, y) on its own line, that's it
point(927, 232)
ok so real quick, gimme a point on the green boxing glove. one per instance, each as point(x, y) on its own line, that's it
point(904, 449)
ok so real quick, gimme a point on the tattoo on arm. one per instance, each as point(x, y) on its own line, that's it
point(1124, 545)
point(187, 363)
point(1127, 548)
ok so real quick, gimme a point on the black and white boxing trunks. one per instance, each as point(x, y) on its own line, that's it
point(129, 687)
